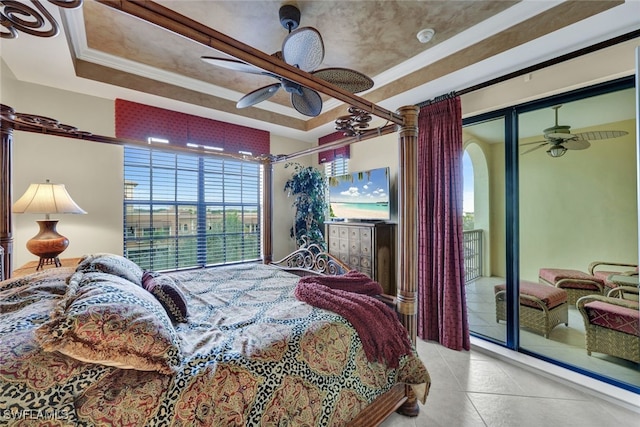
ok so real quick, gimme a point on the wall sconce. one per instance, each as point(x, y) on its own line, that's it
point(47, 199)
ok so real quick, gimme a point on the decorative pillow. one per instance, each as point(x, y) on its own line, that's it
point(103, 319)
point(166, 291)
point(112, 264)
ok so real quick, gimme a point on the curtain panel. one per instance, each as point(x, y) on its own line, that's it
point(442, 311)
point(140, 121)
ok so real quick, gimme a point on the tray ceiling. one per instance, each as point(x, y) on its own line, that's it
point(377, 38)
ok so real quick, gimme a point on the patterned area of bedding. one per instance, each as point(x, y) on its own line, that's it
point(249, 354)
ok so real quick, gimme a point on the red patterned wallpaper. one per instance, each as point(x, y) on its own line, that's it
point(139, 121)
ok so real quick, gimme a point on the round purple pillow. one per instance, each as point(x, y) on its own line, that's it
point(165, 290)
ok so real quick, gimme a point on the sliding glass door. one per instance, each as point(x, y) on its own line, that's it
point(484, 225)
point(578, 205)
point(557, 184)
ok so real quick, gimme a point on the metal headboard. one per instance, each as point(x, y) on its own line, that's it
point(312, 259)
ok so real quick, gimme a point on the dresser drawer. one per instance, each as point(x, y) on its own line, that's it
point(354, 261)
point(334, 246)
point(367, 248)
point(365, 263)
point(344, 258)
point(343, 232)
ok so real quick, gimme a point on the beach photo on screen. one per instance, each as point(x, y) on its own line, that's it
point(360, 195)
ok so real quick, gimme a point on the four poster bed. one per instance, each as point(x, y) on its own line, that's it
point(249, 352)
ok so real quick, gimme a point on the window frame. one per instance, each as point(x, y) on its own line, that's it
point(225, 187)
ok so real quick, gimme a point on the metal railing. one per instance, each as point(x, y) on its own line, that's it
point(472, 243)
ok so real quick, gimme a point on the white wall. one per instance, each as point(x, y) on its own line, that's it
point(91, 172)
point(283, 211)
point(581, 207)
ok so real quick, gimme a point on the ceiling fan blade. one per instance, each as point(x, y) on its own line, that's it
point(345, 78)
point(576, 144)
point(309, 103)
point(258, 95)
point(233, 64)
point(303, 48)
point(534, 148)
point(560, 136)
point(534, 142)
point(600, 134)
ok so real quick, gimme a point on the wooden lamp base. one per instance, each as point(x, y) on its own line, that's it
point(48, 244)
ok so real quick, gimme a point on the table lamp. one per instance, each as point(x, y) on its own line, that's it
point(47, 199)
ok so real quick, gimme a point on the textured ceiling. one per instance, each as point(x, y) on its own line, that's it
point(371, 37)
point(367, 36)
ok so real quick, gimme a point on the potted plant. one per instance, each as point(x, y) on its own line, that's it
point(308, 187)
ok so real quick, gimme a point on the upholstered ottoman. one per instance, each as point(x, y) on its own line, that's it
point(542, 307)
point(577, 283)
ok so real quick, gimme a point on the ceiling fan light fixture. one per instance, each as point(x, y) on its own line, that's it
point(425, 35)
point(557, 150)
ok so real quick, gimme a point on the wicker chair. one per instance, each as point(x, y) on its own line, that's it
point(603, 270)
point(612, 323)
point(579, 283)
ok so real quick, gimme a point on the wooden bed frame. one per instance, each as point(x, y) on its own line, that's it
point(405, 122)
point(312, 260)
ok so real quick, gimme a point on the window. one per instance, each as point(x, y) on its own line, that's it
point(185, 210)
point(338, 166)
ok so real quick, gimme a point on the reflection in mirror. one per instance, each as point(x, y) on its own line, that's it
point(578, 205)
point(484, 225)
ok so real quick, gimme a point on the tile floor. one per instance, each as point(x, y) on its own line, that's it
point(472, 389)
point(565, 343)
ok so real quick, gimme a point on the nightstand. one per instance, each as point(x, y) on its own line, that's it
point(30, 267)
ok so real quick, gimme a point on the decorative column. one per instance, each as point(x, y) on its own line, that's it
point(407, 253)
point(6, 187)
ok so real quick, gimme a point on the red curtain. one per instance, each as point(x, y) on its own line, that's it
point(442, 313)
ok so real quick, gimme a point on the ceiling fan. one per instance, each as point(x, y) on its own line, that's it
point(302, 48)
point(560, 138)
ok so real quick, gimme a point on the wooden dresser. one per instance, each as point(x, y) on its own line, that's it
point(366, 247)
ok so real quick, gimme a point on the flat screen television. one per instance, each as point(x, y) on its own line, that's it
point(360, 196)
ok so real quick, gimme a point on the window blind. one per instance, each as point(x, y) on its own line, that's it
point(186, 210)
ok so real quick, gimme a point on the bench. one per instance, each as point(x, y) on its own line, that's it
point(542, 307)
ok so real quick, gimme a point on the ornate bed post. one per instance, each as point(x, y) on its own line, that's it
point(407, 273)
point(6, 189)
point(267, 203)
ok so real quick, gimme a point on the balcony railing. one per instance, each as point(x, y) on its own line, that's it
point(472, 242)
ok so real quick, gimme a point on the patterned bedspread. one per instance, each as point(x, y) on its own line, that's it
point(251, 354)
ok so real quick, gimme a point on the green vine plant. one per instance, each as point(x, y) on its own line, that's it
point(308, 187)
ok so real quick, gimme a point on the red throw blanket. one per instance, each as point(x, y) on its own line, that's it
point(351, 295)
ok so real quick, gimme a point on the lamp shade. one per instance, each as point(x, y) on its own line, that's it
point(47, 199)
